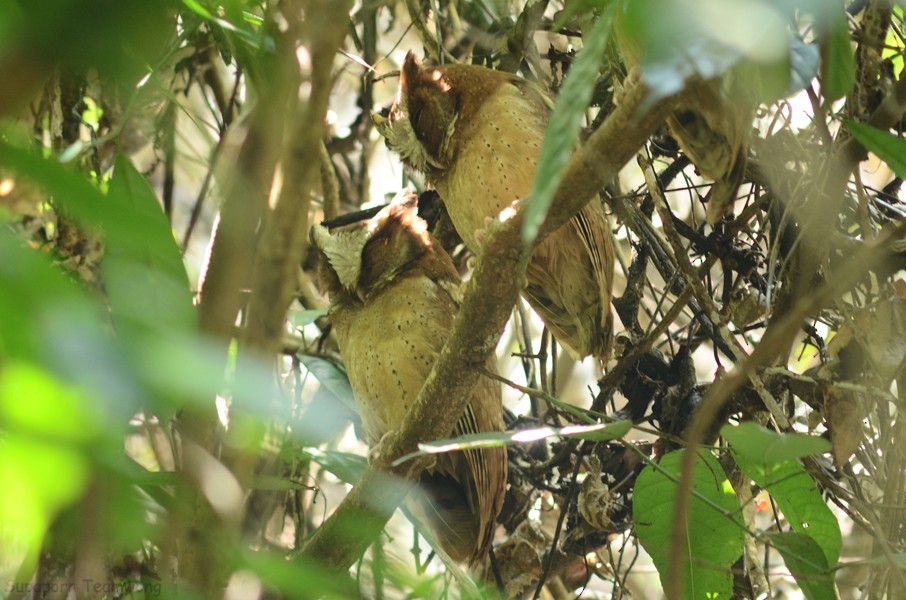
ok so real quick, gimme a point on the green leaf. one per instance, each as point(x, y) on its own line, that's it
point(715, 529)
point(888, 147)
point(604, 432)
point(565, 123)
point(130, 218)
point(331, 376)
point(807, 563)
point(144, 275)
point(49, 306)
point(31, 288)
point(838, 69)
point(35, 403)
point(39, 479)
point(799, 500)
point(198, 9)
point(298, 578)
point(675, 40)
point(345, 465)
point(46, 427)
point(768, 447)
point(600, 432)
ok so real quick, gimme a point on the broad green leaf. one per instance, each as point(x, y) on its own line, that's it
point(31, 287)
point(799, 500)
point(768, 447)
point(565, 123)
point(888, 147)
point(46, 428)
point(49, 306)
point(806, 561)
point(145, 278)
point(706, 39)
point(715, 529)
point(129, 219)
point(39, 479)
point(346, 466)
point(198, 9)
point(33, 402)
point(331, 376)
point(838, 69)
point(298, 578)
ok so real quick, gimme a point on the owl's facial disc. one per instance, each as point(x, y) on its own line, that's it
point(397, 130)
point(343, 250)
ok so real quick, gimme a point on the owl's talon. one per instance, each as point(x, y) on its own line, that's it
point(380, 450)
point(632, 79)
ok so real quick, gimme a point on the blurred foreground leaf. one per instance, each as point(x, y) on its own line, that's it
point(889, 148)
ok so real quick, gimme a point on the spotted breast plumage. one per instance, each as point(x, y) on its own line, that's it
point(476, 134)
point(393, 297)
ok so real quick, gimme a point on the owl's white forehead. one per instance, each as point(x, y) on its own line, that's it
point(344, 251)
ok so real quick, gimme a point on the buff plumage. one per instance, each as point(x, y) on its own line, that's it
point(393, 297)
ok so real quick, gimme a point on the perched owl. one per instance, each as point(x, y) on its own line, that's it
point(712, 130)
point(393, 296)
point(476, 134)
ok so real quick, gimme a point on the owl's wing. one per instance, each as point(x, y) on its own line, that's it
point(569, 283)
point(536, 93)
point(488, 466)
point(484, 469)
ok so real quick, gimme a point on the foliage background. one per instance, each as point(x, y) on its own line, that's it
point(174, 420)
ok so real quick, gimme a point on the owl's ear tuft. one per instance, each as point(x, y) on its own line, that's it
point(411, 69)
point(404, 210)
point(415, 74)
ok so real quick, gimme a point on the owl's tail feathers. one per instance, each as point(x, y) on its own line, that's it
point(725, 191)
point(590, 334)
point(715, 138)
point(605, 338)
point(442, 504)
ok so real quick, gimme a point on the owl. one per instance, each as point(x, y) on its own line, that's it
point(476, 134)
point(393, 297)
point(711, 128)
